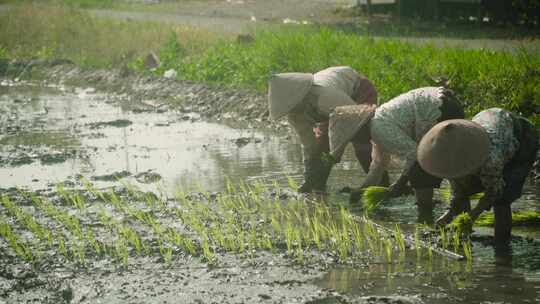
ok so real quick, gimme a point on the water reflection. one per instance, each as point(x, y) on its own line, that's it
point(438, 281)
point(185, 150)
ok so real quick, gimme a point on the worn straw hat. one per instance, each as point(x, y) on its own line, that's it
point(345, 122)
point(286, 91)
point(453, 148)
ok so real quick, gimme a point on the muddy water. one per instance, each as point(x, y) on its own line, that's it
point(57, 134)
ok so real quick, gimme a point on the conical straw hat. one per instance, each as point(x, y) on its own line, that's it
point(286, 91)
point(345, 121)
point(453, 148)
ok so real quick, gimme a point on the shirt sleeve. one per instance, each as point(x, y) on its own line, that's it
point(379, 164)
point(491, 176)
point(392, 140)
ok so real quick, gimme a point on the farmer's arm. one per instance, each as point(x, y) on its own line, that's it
point(377, 168)
point(393, 140)
point(379, 164)
point(459, 202)
point(491, 176)
point(407, 152)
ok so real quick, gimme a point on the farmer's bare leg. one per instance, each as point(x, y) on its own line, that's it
point(424, 201)
point(503, 227)
point(322, 163)
point(310, 150)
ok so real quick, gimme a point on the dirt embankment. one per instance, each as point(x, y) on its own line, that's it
point(152, 93)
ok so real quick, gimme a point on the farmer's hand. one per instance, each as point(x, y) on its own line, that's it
point(445, 219)
point(356, 196)
point(398, 189)
point(346, 189)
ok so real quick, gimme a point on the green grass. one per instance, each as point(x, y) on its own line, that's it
point(71, 3)
point(481, 78)
point(35, 31)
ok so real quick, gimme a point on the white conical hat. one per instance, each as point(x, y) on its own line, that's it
point(345, 121)
point(286, 91)
point(453, 148)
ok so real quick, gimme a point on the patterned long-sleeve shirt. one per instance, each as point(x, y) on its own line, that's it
point(499, 126)
point(398, 126)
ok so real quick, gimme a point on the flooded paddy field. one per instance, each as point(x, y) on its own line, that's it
point(105, 204)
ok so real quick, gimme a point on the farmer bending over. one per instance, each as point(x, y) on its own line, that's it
point(395, 128)
point(493, 154)
point(307, 100)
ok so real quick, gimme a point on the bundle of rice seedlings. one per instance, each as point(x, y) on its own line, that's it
point(446, 195)
point(519, 218)
point(373, 197)
point(462, 224)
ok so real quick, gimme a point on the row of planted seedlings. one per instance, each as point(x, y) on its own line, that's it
point(246, 218)
point(118, 229)
point(242, 219)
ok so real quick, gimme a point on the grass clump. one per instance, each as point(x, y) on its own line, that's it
point(481, 78)
point(50, 32)
point(519, 218)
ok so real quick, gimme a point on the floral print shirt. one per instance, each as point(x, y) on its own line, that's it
point(398, 126)
point(499, 126)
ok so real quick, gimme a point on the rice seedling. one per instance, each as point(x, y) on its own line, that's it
point(389, 249)
point(19, 246)
point(78, 251)
point(467, 250)
point(519, 218)
point(443, 237)
point(62, 245)
point(27, 219)
point(74, 198)
point(446, 195)
point(400, 240)
point(94, 243)
point(121, 251)
point(289, 235)
point(132, 237)
point(462, 224)
point(291, 182)
point(430, 252)
point(208, 254)
point(417, 241)
point(358, 237)
point(373, 196)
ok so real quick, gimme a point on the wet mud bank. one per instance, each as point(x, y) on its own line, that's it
point(74, 142)
point(152, 93)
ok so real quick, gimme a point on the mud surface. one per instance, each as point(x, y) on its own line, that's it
point(125, 128)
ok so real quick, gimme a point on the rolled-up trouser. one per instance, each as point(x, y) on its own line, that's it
point(518, 168)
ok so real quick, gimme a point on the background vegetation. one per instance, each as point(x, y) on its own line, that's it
point(482, 78)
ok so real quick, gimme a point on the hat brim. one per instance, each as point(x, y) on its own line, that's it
point(453, 148)
point(345, 122)
point(286, 91)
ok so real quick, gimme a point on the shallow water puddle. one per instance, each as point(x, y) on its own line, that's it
point(92, 136)
point(53, 135)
